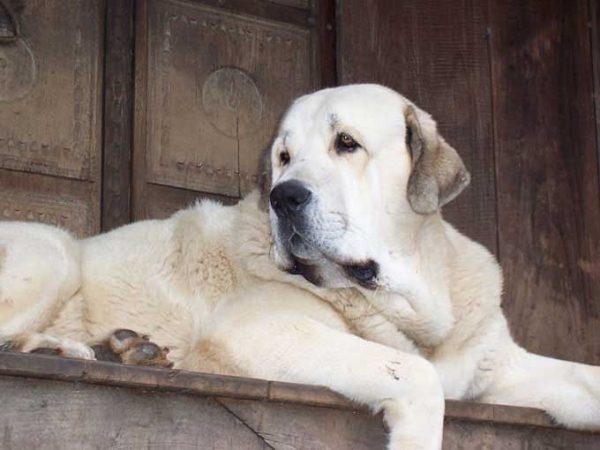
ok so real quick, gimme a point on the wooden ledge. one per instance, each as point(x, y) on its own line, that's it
point(155, 379)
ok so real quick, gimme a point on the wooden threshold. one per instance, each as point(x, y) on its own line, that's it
point(157, 379)
point(51, 403)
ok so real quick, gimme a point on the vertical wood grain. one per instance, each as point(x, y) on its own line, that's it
point(118, 114)
point(594, 13)
point(139, 188)
point(547, 175)
point(325, 12)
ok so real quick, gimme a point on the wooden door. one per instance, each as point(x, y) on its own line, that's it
point(50, 105)
point(212, 79)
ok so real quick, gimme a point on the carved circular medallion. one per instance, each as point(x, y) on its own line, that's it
point(232, 102)
point(17, 70)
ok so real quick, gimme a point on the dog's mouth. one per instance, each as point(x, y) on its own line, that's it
point(315, 265)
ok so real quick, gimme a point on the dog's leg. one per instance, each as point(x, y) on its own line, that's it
point(567, 391)
point(46, 344)
point(294, 348)
point(418, 307)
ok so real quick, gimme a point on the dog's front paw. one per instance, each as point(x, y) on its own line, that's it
point(129, 347)
point(48, 345)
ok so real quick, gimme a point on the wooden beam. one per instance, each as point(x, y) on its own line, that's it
point(55, 403)
point(155, 379)
point(118, 114)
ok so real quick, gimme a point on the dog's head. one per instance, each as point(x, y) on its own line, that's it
point(349, 166)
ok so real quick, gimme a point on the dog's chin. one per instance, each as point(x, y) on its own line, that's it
point(299, 258)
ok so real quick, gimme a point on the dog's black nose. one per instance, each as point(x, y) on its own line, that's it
point(289, 197)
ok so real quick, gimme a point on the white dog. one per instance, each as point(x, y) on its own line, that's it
point(352, 280)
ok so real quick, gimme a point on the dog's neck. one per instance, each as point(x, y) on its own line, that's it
point(375, 315)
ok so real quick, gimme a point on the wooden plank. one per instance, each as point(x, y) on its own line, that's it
point(319, 428)
point(459, 435)
point(594, 8)
point(53, 415)
point(118, 114)
point(547, 176)
point(295, 427)
point(139, 199)
point(443, 66)
point(109, 374)
point(325, 11)
point(112, 374)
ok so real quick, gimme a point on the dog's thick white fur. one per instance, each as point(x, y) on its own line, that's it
point(401, 309)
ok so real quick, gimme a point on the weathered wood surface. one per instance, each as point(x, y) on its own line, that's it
point(50, 113)
point(54, 403)
point(594, 8)
point(205, 113)
point(547, 175)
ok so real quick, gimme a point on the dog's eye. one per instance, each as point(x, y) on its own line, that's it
point(284, 158)
point(365, 273)
point(409, 136)
point(346, 143)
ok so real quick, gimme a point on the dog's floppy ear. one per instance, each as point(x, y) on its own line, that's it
point(438, 174)
point(265, 180)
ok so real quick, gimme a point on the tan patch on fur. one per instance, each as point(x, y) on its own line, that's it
point(439, 174)
point(211, 357)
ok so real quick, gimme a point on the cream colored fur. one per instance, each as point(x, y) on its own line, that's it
point(208, 284)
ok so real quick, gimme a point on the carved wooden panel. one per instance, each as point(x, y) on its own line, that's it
point(166, 200)
point(217, 85)
point(50, 100)
point(48, 82)
point(68, 213)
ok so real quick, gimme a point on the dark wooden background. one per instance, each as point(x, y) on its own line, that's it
point(119, 110)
